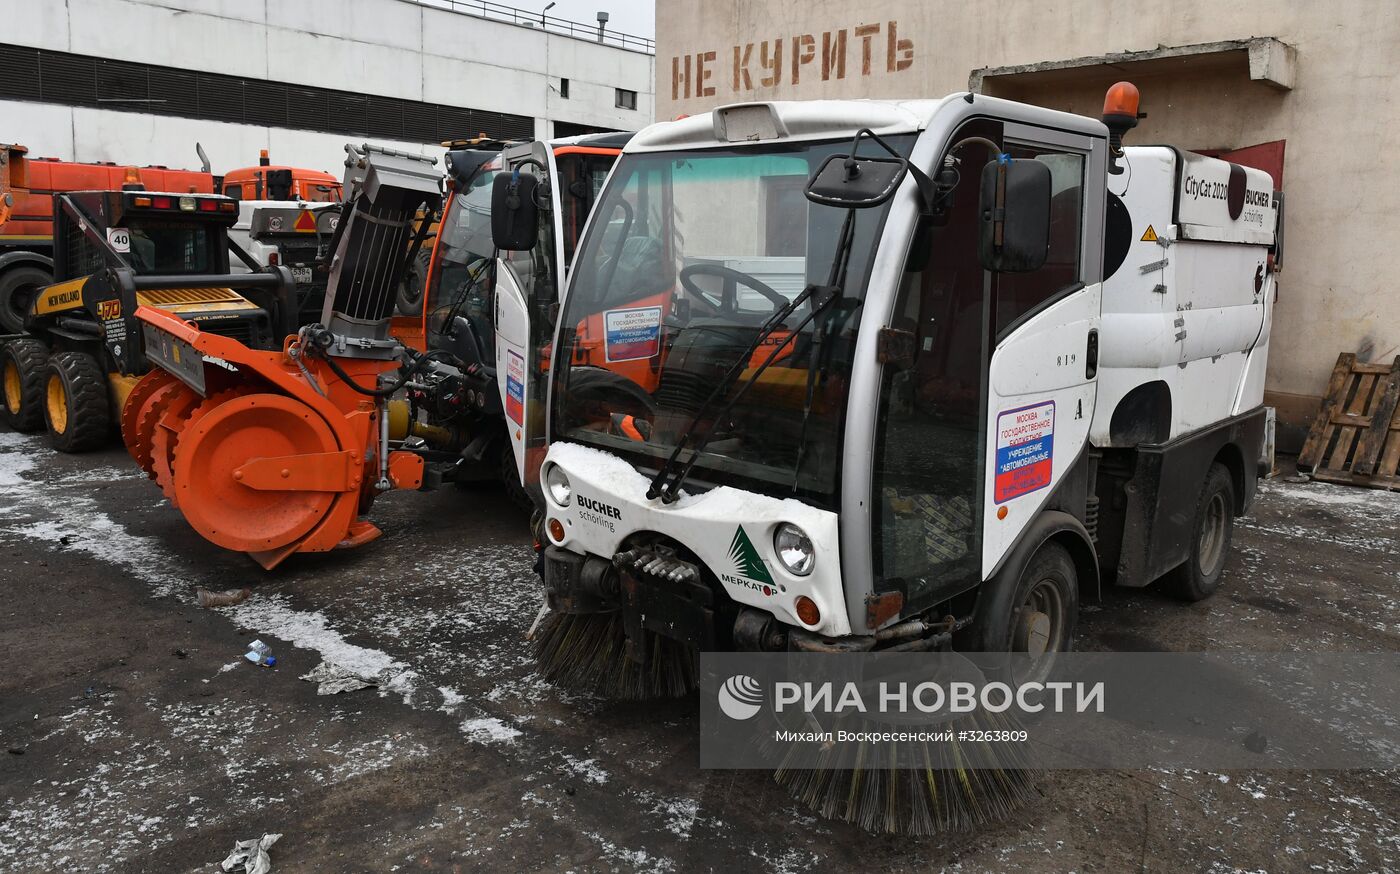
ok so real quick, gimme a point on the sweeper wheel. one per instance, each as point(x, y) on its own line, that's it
point(136, 401)
point(216, 444)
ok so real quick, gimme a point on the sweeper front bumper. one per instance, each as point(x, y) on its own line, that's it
point(675, 567)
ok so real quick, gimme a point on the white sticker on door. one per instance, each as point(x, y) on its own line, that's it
point(633, 334)
point(515, 386)
point(1025, 451)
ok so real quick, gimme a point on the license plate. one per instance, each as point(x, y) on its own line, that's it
point(301, 275)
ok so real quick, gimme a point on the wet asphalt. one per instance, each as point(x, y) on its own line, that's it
point(139, 740)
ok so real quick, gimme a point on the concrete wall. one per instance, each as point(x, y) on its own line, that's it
point(1341, 118)
point(390, 48)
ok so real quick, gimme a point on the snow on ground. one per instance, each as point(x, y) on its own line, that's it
point(441, 632)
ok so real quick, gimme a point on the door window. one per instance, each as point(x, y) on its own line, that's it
point(1019, 294)
point(927, 483)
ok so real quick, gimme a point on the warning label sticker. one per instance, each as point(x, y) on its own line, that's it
point(1149, 235)
point(1025, 451)
point(515, 387)
point(633, 334)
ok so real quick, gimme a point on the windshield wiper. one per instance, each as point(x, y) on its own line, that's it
point(667, 482)
point(816, 358)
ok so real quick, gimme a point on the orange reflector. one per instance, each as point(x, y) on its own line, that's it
point(141, 201)
point(1001, 512)
point(807, 610)
point(556, 530)
point(306, 222)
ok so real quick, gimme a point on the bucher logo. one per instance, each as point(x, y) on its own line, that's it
point(740, 697)
point(749, 569)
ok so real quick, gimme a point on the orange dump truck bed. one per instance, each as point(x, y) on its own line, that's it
point(32, 183)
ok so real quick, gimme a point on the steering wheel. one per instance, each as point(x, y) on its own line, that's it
point(729, 292)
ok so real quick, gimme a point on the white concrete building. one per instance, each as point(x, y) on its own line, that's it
point(1244, 80)
point(141, 81)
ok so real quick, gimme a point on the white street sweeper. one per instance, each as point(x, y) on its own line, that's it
point(845, 376)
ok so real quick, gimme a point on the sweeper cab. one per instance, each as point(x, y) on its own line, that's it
point(490, 311)
point(863, 375)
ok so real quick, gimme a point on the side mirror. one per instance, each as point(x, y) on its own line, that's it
point(514, 212)
point(855, 183)
point(279, 185)
point(1015, 211)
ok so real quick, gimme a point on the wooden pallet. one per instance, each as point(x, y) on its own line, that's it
point(1355, 438)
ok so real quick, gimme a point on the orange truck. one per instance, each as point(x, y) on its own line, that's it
point(27, 187)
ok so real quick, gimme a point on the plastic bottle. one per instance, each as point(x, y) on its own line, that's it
point(260, 653)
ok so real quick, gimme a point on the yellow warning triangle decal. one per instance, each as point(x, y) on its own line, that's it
point(1149, 235)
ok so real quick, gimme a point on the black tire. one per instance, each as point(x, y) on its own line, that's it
point(23, 368)
point(17, 289)
point(510, 477)
point(1034, 612)
point(1211, 535)
point(410, 297)
point(76, 409)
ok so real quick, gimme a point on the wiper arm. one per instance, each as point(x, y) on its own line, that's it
point(664, 484)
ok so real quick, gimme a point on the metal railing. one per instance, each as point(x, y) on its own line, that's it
point(541, 21)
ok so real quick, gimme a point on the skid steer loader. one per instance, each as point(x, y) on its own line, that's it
point(82, 352)
point(274, 453)
point(902, 374)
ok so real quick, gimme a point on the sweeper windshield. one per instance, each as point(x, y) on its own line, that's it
point(674, 309)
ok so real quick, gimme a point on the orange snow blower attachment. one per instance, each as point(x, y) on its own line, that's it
point(272, 453)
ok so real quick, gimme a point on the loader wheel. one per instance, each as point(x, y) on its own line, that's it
point(1034, 613)
point(75, 403)
point(17, 290)
point(410, 298)
point(1199, 576)
point(24, 365)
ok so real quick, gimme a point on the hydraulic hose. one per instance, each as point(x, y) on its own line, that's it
point(319, 340)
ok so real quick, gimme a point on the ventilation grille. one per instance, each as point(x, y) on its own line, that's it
point(80, 80)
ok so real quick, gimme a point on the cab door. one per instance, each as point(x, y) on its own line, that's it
point(987, 348)
point(1041, 380)
point(527, 287)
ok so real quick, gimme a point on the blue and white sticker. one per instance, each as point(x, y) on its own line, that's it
point(1025, 451)
point(632, 334)
point(515, 387)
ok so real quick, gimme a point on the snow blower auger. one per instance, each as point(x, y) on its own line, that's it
point(272, 453)
point(922, 408)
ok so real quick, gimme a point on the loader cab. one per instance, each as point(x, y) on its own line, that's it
point(115, 252)
point(149, 232)
point(118, 250)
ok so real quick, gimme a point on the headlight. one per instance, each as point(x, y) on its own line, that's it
point(557, 484)
point(794, 549)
